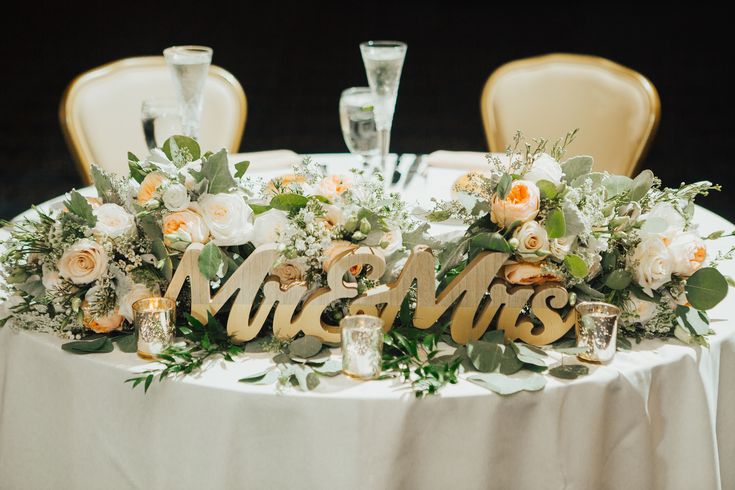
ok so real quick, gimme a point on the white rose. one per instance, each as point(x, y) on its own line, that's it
point(113, 221)
point(652, 262)
point(228, 218)
point(50, 278)
point(640, 310)
point(137, 291)
point(83, 262)
point(544, 168)
point(521, 204)
point(532, 241)
point(333, 215)
point(560, 247)
point(175, 197)
point(689, 253)
point(268, 227)
point(674, 222)
point(391, 242)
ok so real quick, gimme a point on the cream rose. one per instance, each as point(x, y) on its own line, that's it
point(137, 291)
point(641, 311)
point(268, 227)
point(333, 215)
point(50, 278)
point(175, 197)
point(83, 262)
point(652, 262)
point(150, 185)
point(560, 247)
point(528, 274)
point(521, 204)
point(113, 221)
point(544, 168)
point(334, 186)
point(185, 226)
point(289, 272)
point(228, 218)
point(688, 252)
point(533, 241)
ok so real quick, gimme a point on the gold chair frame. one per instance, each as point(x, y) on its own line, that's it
point(76, 142)
point(488, 116)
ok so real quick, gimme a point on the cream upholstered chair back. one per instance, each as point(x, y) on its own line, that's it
point(616, 109)
point(100, 111)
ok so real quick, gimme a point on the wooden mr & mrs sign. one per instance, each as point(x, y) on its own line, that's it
point(469, 319)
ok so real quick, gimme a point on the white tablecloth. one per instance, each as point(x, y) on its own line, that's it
point(660, 416)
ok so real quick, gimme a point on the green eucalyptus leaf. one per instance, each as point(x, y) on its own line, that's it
point(80, 207)
point(595, 177)
point(181, 150)
point(332, 367)
point(241, 168)
point(706, 288)
point(289, 202)
point(505, 385)
point(485, 356)
point(216, 170)
point(127, 343)
point(494, 336)
point(259, 208)
point(306, 377)
point(282, 358)
point(576, 266)
point(570, 371)
point(252, 378)
point(504, 186)
point(97, 346)
point(556, 226)
point(576, 167)
point(490, 241)
point(641, 185)
point(618, 279)
point(211, 263)
point(305, 347)
point(528, 354)
point(617, 184)
point(548, 189)
point(104, 184)
point(509, 363)
point(693, 319)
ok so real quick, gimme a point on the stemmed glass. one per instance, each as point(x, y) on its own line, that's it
point(189, 66)
point(383, 64)
point(358, 122)
point(161, 118)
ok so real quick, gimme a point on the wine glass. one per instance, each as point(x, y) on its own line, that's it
point(189, 66)
point(161, 118)
point(383, 65)
point(358, 122)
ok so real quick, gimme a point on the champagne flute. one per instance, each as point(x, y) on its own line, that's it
point(383, 65)
point(160, 118)
point(357, 120)
point(189, 67)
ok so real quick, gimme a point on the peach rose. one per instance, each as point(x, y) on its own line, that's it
point(150, 185)
point(532, 241)
point(103, 324)
point(334, 186)
point(528, 274)
point(521, 204)
point(689, 253)
point(288, 273)
point(187, 224)
point(336, 250)
point(83, 262)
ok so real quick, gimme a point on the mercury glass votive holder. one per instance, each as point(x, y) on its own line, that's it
point(362, 346)
point(154, 320)
point(597, 330)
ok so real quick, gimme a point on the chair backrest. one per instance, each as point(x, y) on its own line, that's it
point(615, 108)
point(100, 111)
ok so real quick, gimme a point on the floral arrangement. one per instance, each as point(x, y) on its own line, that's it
point(606, 237)
point(76, 269)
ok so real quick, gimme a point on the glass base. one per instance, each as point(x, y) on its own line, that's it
point(360, 378)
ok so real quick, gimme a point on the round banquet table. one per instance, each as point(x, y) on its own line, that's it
point(659, 416)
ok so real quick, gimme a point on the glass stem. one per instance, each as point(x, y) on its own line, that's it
point(384, 139)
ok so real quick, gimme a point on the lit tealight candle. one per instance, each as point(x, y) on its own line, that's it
point(597, 330)
point(362, 346)
point(154, 323)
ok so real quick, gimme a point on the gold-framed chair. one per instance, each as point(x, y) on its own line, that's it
point(100, 111)
point(616, 109)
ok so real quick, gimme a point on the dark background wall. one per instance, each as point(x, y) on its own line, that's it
point(293, 61)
